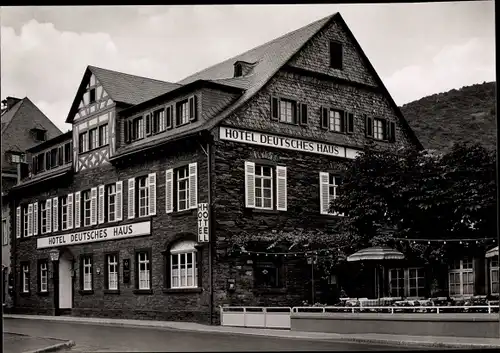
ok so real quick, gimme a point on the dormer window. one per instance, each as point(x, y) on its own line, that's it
point(243, 68)
point(39, 134)
point(238, 70)
point(336, 55)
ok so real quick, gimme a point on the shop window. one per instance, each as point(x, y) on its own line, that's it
point(268, 273)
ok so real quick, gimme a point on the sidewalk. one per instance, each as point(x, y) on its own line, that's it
point(19, 343)
point(406, 340)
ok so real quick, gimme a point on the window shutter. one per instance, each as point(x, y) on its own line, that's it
point(368, 126)
point(35, 218)
point(119, 201)
point(131, 198)
point(77, 209)
point(275, 103)
point(70, 211)
point(249, 184)
point(148, 124)
point(55, 216)
point(392, 131)
point(193, 185)
point(152, 193)
point(350, 123)
point(18, 222)
point(30, 220)
point(48, 207)
point(126, 131)
point(324, 193)
point(169, 117)
point(385, 129)
point(281, 192)
point(93, 206)
point(303, 114)
point(169, 191)
point(343, 121)
point(193, 108)
point(101, 204)
point(324, 118)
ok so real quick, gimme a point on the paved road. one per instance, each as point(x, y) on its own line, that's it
point(105, 338)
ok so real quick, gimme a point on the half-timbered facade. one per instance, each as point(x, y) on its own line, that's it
point(260, 139)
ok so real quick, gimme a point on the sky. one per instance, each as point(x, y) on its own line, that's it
point(417, 49)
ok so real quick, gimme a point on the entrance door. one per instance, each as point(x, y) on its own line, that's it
point(65, 282)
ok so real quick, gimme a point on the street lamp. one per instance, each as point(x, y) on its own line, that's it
point(312, 260)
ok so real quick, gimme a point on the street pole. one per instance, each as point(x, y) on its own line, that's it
point(497, 181)
point(312, 281)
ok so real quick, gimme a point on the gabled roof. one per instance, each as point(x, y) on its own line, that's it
point(122, 87)
point(9, 115)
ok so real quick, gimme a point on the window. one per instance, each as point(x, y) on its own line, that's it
point(5, 233)
point(336, 55)
point(86, 207)
point(47, 160)
point(287, 111)
point(40, 135)
point(182, 175)
point(25, 221)
point(67, 153)
point(17, 157)
point(87, 273)
point(268, 274)
point(44, 274)
point(329, 191)
point(263, 187)
point(92, 95)
point(144, 270)
point(461, 278)
point(60, 155)
point(112, 265)
point(103, 135)
point(93, 139)
point(397, 282)
point(159, 121)
point(25, 283)
point(137, 129)
point(182, 113)
point(39, 163)
point(494, 276)
point(238, 70)
point(407, 282)
point(43, 218)
point(64, 212)
point(83, 142)
point(53, 158)
point(143, 193)
point(183, 267)
point(335, 121)
point(378, 129)
point(111, 194)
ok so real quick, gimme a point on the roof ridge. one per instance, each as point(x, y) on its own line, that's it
point(260, 46)
point(127, 74)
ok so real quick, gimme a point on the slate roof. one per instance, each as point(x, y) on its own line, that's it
point(9, 114)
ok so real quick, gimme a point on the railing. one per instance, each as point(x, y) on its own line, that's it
point(397, 309)
point(256, 316)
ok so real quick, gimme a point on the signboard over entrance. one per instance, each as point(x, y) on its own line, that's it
point(286, 142)
point(95, 235)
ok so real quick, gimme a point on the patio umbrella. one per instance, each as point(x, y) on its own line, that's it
point(376, 253)
point(492, 252)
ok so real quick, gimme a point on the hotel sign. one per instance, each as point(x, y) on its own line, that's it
point(95, 235)
point(288, 143)
point(203, 232)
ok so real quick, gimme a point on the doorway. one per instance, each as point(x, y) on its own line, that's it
point(63, 284)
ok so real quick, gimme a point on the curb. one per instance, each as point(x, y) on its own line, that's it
point(53, 348)
point(421, 344)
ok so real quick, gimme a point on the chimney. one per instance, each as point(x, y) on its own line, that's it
point(11, 101)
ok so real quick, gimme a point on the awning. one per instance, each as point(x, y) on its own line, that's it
point(376, 253)
point(492, 252)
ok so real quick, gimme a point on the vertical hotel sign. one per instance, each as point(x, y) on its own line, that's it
point(203, 231)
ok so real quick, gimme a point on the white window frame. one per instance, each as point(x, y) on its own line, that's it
point(64, 213)
point(494, 268)
point(184, 273)
point(287, 111)
point(260, 177)
point(112, 265)
point(185, 182)
point(84, 136)
point(462, 271)
point(334, 120)
point(87, 273)
point(143, 195)
point(26, 278)
point(378, 129)
point(158, 121)
point(111, 198)
point(184, 112)
point(86, 201)
point(93, 138)
point(105, 140)
point(25, 220)
point(5, 232)
point(44, 275)
point(43, 217)
point(144, 269)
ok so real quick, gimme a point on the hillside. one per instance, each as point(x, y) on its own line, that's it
point(463, 115)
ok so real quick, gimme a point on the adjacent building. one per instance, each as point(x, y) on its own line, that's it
point(23, 126)
point(115, 216)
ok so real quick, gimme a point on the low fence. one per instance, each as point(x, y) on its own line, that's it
point(280, 317)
